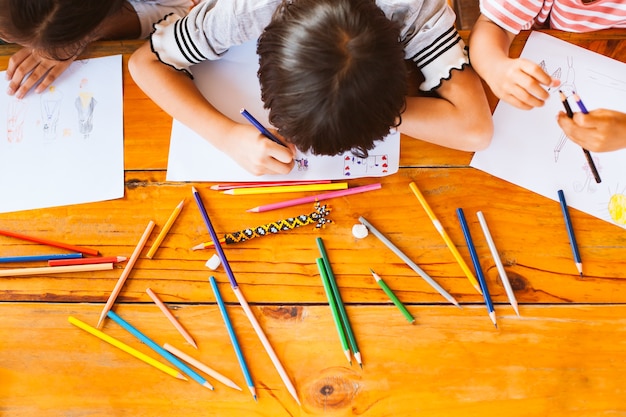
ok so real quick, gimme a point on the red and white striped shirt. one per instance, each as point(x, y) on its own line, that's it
point(566, 15)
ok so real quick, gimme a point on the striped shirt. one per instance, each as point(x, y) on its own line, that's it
point(211, 28)
point(566, 15)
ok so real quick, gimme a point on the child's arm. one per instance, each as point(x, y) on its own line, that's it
point(600, 130)
point(459, 118)
point(178, 96)
point(517, 81)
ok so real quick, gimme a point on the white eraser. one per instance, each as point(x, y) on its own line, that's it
point(359, 231)
point(214, 262)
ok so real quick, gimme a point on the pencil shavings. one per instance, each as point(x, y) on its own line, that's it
point(318, 217)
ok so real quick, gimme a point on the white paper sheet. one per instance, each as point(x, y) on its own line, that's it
point(65, 145)
point(232, 83)
point(529, 148)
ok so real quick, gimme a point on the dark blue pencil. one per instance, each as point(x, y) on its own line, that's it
point(592, 165)
point(34, 258)
point(260, 127)
point(476, 261)
point(570, 232)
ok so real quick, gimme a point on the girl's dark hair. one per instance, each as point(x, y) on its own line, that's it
point(332, 74)
point(60, 28)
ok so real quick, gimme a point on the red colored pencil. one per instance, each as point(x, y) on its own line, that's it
point(87, 261)
point(72, 248)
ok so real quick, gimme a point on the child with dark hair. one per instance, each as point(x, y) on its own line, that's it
point(332, 74)
point(523, 83)
point(54, 32)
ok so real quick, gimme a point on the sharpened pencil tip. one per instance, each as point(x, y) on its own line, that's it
point(255, 399)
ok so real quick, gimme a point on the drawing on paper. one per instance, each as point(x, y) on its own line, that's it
point(568, 87)
point(50, 111)
point(85, 104)
point(373, 164)
point(302, 164)
point(589, 184)
point(16, 113)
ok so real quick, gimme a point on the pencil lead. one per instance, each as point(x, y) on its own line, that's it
point(255, 399)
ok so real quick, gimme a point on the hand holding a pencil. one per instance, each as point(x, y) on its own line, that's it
point(600, 130)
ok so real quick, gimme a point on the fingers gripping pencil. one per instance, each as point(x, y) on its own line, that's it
point(317, 217)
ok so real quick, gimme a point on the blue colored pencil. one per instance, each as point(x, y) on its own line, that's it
point(158, 349)
point(233, 337)
point(34, 258)
point(476, 261)
point(570, 233)
point(260, 127)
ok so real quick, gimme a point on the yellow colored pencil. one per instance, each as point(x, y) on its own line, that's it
point(455, 252)
point(122, 346)
point(287, 188)
point(166, 228)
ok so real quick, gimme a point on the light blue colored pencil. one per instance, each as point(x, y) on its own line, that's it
point(34, 258)
point(233, 337)
point(158, 349)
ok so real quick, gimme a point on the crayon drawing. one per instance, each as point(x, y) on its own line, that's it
point(230, 84)
point(45, 159)
point(527, 143)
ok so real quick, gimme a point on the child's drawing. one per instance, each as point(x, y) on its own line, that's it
point(302, 164)
point(15, 120)
point(617, 208)
point(589, 184)
point(568, 87)
point(50, 110)
point(372, 165)
point(85, 104)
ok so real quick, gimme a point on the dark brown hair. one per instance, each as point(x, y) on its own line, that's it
point(60, 28)
point(332, 74)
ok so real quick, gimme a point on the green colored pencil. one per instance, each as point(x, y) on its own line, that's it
point(342, 310)
point(333, 307)
point(393, 297)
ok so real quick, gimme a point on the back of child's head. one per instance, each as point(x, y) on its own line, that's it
point(332, 74)
point(58, 28)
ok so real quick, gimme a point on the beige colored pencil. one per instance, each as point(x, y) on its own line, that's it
point(171, 318)
point(266, 343)
point(166, 228)
point(125, 273)
point(123, 346)
point(45, 270)
point(455, 252)
point(204, 368)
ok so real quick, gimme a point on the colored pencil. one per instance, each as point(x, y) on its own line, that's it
point(125, 273)
point(287, 189)
point(166, 311)
point(244, 304)
point(393, 297)
point(343, 314)
point(570, 233)
point(444, 235)
point(496, 257)
point(201, 366)
point(233, 337)
point(228, 186)
point(477, 267)
point(260, 127)
point(332, 303)
point(214, 238)
point(45, 270)
point(266, 344)
point(48, 242)
point(313, 198)
point(124, 347)
point(87, 261)
point(158, 349)
point(166, 228)
point(408, 261)
point(36, 258)
point(207, 245)
point(588, 157)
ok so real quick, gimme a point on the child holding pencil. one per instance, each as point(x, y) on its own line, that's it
point(54, 32)
point(332, 74)
point(522, 83)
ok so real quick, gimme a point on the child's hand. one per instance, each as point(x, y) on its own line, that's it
point(256, 153)
point(521, 83)
point(599, 131)
point(27, 68)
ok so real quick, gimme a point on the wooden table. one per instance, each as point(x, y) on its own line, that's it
point(565, 355)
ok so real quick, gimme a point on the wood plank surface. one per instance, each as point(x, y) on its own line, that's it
point(564, 356)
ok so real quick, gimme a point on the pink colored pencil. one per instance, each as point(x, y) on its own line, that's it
point(171, 317)
point(229, 186)
point(87, 261)
point(313, 198)
point(72, 248)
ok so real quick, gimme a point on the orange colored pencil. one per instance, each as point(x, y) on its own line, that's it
point(171, 317)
